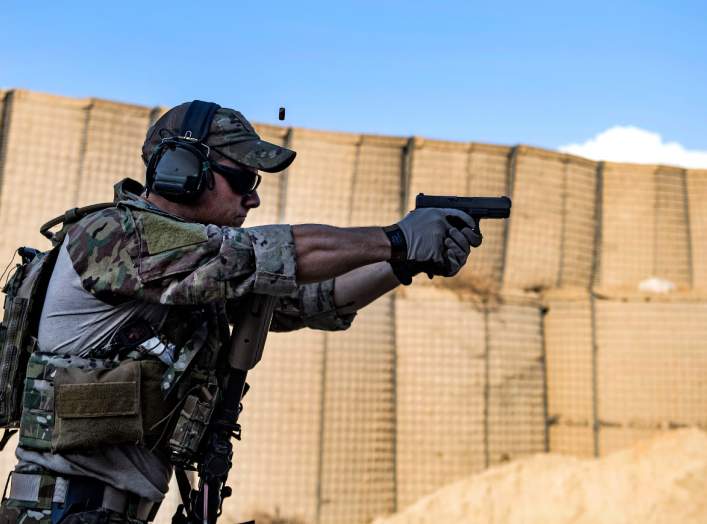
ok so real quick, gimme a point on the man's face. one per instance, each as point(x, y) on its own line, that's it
point(223, 206)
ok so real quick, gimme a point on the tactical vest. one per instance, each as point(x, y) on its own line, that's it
point(62, 403)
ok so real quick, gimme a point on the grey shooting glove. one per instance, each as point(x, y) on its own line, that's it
point(419, 242)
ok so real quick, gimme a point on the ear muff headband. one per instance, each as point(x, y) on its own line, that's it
point(197, 119)
point(178, 168)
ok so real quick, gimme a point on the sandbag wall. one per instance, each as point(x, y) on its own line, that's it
point(627, 357)
point(544, 342)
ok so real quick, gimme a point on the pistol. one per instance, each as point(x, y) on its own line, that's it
point(476, 207)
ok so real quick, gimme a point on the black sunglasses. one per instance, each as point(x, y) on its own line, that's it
point(242, 181)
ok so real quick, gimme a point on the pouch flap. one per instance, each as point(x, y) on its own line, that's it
point(107, 399)
point(82, 393)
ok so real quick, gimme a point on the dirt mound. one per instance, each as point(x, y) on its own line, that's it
point(659, 481)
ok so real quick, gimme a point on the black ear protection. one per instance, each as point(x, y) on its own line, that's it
point(179, 167)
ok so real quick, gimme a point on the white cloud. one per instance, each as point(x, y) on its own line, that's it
point(633, 144)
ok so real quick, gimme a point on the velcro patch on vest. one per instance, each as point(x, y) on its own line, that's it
point(106, 399)
point(164, 234)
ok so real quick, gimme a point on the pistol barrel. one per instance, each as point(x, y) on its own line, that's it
point(477, 207)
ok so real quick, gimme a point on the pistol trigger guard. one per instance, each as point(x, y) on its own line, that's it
point(456, 222)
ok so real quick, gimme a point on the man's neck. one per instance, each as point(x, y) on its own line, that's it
point(173, 208)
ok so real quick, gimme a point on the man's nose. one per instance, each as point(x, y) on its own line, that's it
point(251, 200)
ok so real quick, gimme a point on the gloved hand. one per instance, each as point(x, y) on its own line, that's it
point(459, 244)
point(428, 244)
point(425, 231)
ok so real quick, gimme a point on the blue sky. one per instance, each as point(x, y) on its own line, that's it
point(540, 73)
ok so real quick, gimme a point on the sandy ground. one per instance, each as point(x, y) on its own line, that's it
point(659, 481)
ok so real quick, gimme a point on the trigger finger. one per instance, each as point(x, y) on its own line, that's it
point(472, 236)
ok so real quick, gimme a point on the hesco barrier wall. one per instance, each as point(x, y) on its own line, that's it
point(544, 342)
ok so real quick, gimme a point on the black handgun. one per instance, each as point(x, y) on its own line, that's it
point(476, 207)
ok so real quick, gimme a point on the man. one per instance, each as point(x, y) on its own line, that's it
point(140, 301)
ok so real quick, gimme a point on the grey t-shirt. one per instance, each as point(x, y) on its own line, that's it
point(73, 322)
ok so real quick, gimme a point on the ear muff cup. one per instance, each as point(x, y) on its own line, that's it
point(179, 170)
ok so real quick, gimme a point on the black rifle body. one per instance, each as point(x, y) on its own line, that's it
point(203, 504)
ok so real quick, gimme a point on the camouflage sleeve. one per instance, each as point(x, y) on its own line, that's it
point(311, 306)
point(123, 254)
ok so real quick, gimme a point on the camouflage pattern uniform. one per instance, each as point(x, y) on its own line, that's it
point(137, 251)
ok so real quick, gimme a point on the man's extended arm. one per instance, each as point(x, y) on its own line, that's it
point(363, 285)
point(325, 252)
point(330, 301)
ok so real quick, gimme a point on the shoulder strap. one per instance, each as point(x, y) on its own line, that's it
point(69, 217)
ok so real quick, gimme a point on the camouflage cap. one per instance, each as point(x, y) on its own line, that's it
point(230, 135)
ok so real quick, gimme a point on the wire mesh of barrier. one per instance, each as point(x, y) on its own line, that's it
point(651, 363)
point(697, 222)
point(112, 146)
point(440, 390)
point(320, 183)
point(613, 439)
point(437, 168)
point(673, 258)
point(570, 375)
point(533, 251)
point(515, 403)
point(579, 223)
point(378, 185)
point(357, 449)
point(470, 387)
point(42, 153)
point(278, 461)
point(627, 250)
point(620, 367)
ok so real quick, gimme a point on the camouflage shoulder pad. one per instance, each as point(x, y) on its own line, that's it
point(161, 233)
point(169, 246)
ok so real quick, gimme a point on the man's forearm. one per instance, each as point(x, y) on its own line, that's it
point(360, 287)
point(325, 252)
